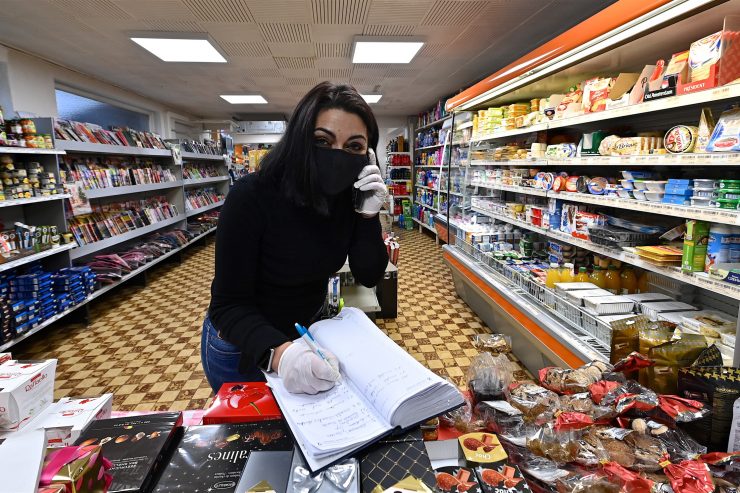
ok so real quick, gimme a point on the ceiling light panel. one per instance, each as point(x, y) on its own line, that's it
point(371, 98)
point(244, 98)
point(180, 49)
point(385, 50)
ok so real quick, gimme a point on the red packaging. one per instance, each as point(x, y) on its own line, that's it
point(572, 421)
point(599, 389)
point(242, 402)
point(629, 480)
point(689, 476)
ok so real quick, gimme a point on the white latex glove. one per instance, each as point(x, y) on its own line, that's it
point(303, 372)
point(369, 179)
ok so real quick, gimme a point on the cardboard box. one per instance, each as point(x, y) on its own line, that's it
point(695, 246)
point(65, 421)
point(21, 458)
point(394, 459)
point(619, 95)
point(242, 402)
point(26, 389)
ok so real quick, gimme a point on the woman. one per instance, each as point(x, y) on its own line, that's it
point(284, 231)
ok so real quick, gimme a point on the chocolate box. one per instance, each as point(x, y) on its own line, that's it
point(456, 479)
point(266, 471)
point(21, 457)
point(65, 421)
point(242, 402)
point(137, 447)
point(394, 459)
point(214, 456)
point(26, 389)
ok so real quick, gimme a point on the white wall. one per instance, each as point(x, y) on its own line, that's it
point(389, 127)
point(32, 82)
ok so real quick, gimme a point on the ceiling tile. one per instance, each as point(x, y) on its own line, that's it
point(220, 10)
point(333, 50)
point(99, 8)
point(233, 32)
point(395, 12)
point(173, 25)
point(335, 74)
point(431, 50)
point(302, 81)
point(443, 35)
point(265, 72)
point(333, 63)
point(402, 73)
point(388, 30)
point(326, 33)
point(155, 9)
point(286, 33)
point(340, 11)
point(453, 12)
point(295, 62)
point(292, 49)
point(299, 72)
point(237, 48)
point(267, 11)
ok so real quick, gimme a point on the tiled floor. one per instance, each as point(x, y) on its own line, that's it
point(143, 344)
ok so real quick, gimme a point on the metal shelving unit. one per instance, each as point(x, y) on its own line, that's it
point(33, 200)
point(96, 193)
point(12, 264)
point(72, 146)
point(206, 208)
point(205, 181)
point(196, 156)
point(30, 150)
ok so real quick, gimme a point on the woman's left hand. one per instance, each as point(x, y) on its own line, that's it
point(369, 179)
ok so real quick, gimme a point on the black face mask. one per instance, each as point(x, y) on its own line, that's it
point(338, 169)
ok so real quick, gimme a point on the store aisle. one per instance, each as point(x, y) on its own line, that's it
point(144, 344)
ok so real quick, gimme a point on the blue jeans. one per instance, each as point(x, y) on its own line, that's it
point(220, 360)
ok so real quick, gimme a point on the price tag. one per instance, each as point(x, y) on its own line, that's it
point(614, 160)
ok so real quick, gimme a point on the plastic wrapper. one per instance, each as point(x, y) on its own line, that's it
point(689, 476)
point(591, 482)
point(628, 480)
point(488, 376)
point(633, 362)
point(542, 469)
point(719, 458)
point(506, 421)
point(462, 418)
point(565, 421)
point(630, 396)
point(629, 449)
point(651, 335)
point(493, 343)
point(582, 403)
point(678, 444)
point(599, 390)
point(560, 447)
point(536, 403)
point(682, 410)
point(669, 357)
point(568, 381)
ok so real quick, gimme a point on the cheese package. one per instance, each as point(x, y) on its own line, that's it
point(705, 130)
point(26, 389)
point(561, 151)
point(630, 146)
point(703, 55)
point(726, 135)
point(681, 138)
point(596, 94)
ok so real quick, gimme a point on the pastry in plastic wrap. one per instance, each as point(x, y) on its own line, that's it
point(582, 403)
point(587, 483)
point(506, 421)
point(630, 481)
point(558, 446)
point(493, 343)
point(536, 403)
point(569, 381)
point(488, 376)
point(678, 443)
point(461, 418)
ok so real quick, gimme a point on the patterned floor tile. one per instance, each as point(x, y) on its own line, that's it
point(143, 343)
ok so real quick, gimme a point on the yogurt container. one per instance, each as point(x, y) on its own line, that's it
point(626, 184)
point(655, 185)
point(654, 196)
point(704, 192)
point(704, 183)
point(636, 175)
point(639, 194)
point(702, 202)
point(729, 194)
point(639, 185)
point(624, 193)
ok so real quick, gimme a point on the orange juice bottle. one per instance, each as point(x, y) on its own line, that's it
point(629, 281)
point(553, 275)
point(642, 283)
point(566, 273)
point(582, 275)
point(613, 282)
point(598, 277)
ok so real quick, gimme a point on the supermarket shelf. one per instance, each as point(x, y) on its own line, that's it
point(397, 167)
point(434, 123)
point(721, 216)
point(28, 150)
point(394, 153)
point(523, 162)
point(96, 193)
point(709, 95)
point(427, 206)
point(424, 225)
point(699, 280)
point(435, 146)
point(427, 166)
point(194, 212)
point(97, 246)
point(689, 159)
point(36, 256)
point(74, 146)
point(394, 197)
point(426, 187)
point(202, 181)
point(455, 193)
point(567, 345)
point(461, 143)
point(99, 293)
point(196, 156)
point(33, 200)
point(465, 125)
point(400, 179)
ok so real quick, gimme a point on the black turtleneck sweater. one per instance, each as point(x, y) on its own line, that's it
point(274, 260)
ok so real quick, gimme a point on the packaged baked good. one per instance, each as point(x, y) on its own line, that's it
point(493, 343)
point(669, 357)
point(596, 94)
point(678, 443)
point(625, 337)
point(635, 451)
point(680, 409)
point(558, 446)
point(488, 376)
point(583, 403)
point(569, 381)
point(629, 481)
point(588, 482)
point(632, 363)
point(536, 403)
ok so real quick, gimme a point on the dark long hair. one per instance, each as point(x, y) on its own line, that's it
point(291, 163)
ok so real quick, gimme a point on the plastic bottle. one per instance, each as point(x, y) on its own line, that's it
point(722, 239)
point(629, 281)
point(566, 273)
point(582, 275)
point(553, 275)
point(613, 282)
point(598, 277)
point(642, 283)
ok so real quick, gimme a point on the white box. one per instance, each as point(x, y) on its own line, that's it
point(68, 418)
point(21, 459)
point(26, 389)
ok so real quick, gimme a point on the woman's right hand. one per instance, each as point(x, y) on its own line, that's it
point(302, 371)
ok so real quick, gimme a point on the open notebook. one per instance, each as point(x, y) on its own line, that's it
point(382, 388)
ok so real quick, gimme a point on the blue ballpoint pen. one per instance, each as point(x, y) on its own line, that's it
point(306, 335)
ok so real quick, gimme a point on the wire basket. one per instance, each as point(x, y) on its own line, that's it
point(597, 328)
point(618, 237)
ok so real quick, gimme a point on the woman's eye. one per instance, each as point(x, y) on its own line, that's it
point(356, 147)
point(322, 142)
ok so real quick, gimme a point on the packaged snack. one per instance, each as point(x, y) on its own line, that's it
point(536, 403)
point(669, 357)
point(481, 448)
point(570, 104)
point(488, 376)
point(506, 421)
point(501, 477)
point(242, 403)
point(565, 421)
point(726, 135)
point(651, 335)
point(568, 381)
point(679, 444)
point(633, 362)
point(583, 403)
point(461, 418)
point(27, 389)
point(681, 138)
point(635, 451)
point(628, 480)
point(703, 54)
point(625, 337)
point(493, 343)
point(559, 446)
point(456, 480)
point(606, 147)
